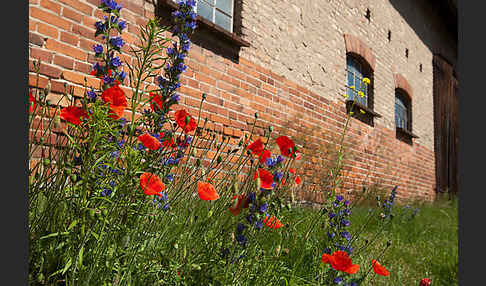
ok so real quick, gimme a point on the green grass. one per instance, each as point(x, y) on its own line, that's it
point(425, 245)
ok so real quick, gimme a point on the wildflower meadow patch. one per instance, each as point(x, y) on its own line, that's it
point(140, 191)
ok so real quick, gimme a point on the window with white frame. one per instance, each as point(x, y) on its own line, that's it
point(219, 12)
point(402, 110)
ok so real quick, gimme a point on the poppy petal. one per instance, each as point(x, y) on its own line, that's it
point(352, 269)
point(206, 191)
point(151, 184)
point(149, 141)
point(379, 269)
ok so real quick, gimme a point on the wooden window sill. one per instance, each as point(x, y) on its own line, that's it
point(231, 37)
point(358, 106)
point(406, 132)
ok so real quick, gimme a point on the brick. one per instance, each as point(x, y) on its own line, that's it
point(71, 14)
point(49, 18)
point(65, 49)
point(69, 38)
point(82, 67)
point(81, 7)
point(36, 39)
point(32, 25)
point(54, 7)
point(84, 31)
point(65, 62)
point(47, 30)
point(43, 55)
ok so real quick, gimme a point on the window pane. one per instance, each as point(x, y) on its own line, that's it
point(225, 6)
point(223, 20)
point(350, 79)
point(350, 93)
point(209, 1)
point(204, 10)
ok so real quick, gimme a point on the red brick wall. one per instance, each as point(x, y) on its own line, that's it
point(61, 34)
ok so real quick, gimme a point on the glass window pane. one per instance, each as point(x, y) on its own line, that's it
point(225, 6)
point(350, 79)
point(209, 1)
point(205, 10)
point(223, 20)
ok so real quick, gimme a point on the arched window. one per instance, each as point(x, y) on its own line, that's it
point(403, 110)
point(356, 70)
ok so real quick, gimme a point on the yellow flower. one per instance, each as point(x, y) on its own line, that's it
point(362, 111)
point(351, 113)
point(352, 87)
point(345, 96)
point(360, 93)
point(366, 80)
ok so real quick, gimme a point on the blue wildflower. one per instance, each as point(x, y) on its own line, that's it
point(98, 49)
point(116, 62)
point(117, 42)
point(100, 27)
point(240, 227)
point(242, 240)
point(338, 280)
point(346, 235)
point(263, 207)
point(169, 177)
point(91, 95)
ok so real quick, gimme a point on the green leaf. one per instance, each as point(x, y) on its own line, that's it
point(80, 257)
point(54, 234)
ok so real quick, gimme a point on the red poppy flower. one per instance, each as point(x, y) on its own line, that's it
point(151, 184)
point(266, 178)
point(424, 282)
point(241, 203)
point(285, 144)
point(117, 100)
point(73, 114)
point(31, 102)
point(379, 269)
point(149, 141)
point(256, 147)
point(272, 222)
point(206, 191)
point(340, 261)
point(298, 180)
point(156, 101)
point(180, 117)
point(292, 171)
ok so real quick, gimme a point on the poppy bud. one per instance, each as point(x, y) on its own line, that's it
point(46, 162)
point(47, 89)
point(256, 115)
point(259, 183)
point(270, 128)
point(219, 159)
point(204, 95)
point(68, 171)
point(57, 121)
point(198, 162)
point(210, 213)
point(388, 243)
point(236, 188)
point(194, 152)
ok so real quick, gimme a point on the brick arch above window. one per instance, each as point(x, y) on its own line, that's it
point(356, 46)
point(402, 83)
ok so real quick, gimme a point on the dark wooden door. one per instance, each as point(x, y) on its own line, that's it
point(445, 126)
